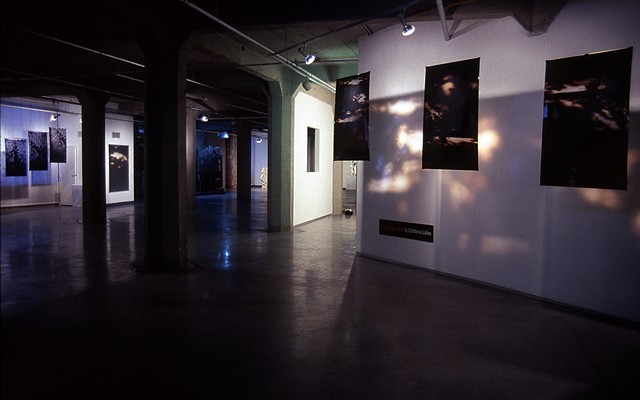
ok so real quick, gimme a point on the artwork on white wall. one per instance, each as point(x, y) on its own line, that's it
point(118, 168)
point(58, 145)
point(450, 139)
point(16, 157)
point(38, 151)
point(351, 123)
point(586, 115)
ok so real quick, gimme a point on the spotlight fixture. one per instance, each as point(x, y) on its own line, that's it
point(407, 29)
point(203, 118)
point(223, 135)
point(309, 58)
point(259, 140)
point(54, 117)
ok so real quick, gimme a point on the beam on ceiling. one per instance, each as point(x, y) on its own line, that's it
point(443, 20)
point(283, 60)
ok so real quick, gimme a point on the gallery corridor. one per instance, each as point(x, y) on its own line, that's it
point(265, 315)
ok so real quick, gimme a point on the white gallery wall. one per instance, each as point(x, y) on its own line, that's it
point(259, 159)
point(18, 116)
point(62, 182)
point(349, 175)
point(576, 246)
point(313, 191)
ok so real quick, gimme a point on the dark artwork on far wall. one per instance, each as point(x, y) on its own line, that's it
point(450, 139)
point(118, 168)
point(38, 151)
point(58, 149)
point(209, 169)
point(16, 157)
point(586, 116)
point(351, 123)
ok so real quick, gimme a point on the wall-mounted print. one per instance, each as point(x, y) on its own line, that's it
point(208, 169)
point(118, 168)
point(58, 145)
point(351, 123)
point(16, 157)
point(38, 151)
point(586, 115)
point(450, 139)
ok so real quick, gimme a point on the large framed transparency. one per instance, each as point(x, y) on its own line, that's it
point(38, 151)
point(450, 139)
point(351, 123)
point(118, 168)
point(58, 145)
point(16, 157)
point(586, 115)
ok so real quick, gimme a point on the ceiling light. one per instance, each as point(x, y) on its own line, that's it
point(54, 117)
point(407, 29)
point(203, 118)
point(259, 140)
point(223, 135)
point(309, 58)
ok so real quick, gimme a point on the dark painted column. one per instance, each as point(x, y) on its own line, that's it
point(190, 191)
point(94, 197)
point(165, 149)
point(244, 160)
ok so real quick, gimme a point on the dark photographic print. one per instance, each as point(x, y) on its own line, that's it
point(585, 126)
point(450, 138)
point(118, 168)
point(58, 145)
point(208, 169)
point(38, 151)
point(351, 123)
point(16, 157)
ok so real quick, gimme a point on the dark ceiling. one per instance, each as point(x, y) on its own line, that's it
point(50, 49)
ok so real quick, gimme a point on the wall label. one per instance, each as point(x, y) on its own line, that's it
point(406, 230)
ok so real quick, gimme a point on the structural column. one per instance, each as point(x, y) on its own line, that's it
point(190, 191)
point(165, 150)
point(94, 196)
point(243, 160)
point(280, 193)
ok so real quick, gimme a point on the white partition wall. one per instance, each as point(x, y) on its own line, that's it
point(19, 116)
point(259, 159)
point(313, 187)
point(498, 225)
point(60, 183)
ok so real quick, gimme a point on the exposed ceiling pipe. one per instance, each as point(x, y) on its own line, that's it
point(226, 92)
point(443, 20)
point(283, 60)
point(77, 46)
point(63, 82)
point(351, 25)
point(201, 102)
point(58, 112)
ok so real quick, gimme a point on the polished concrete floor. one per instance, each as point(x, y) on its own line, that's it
point(262, 315)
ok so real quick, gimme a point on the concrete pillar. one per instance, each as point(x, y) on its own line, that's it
point(243, 160)
point(190, 190)
point(337, 188)
point(280, 193)
point(94, 196)
point(165, 169)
